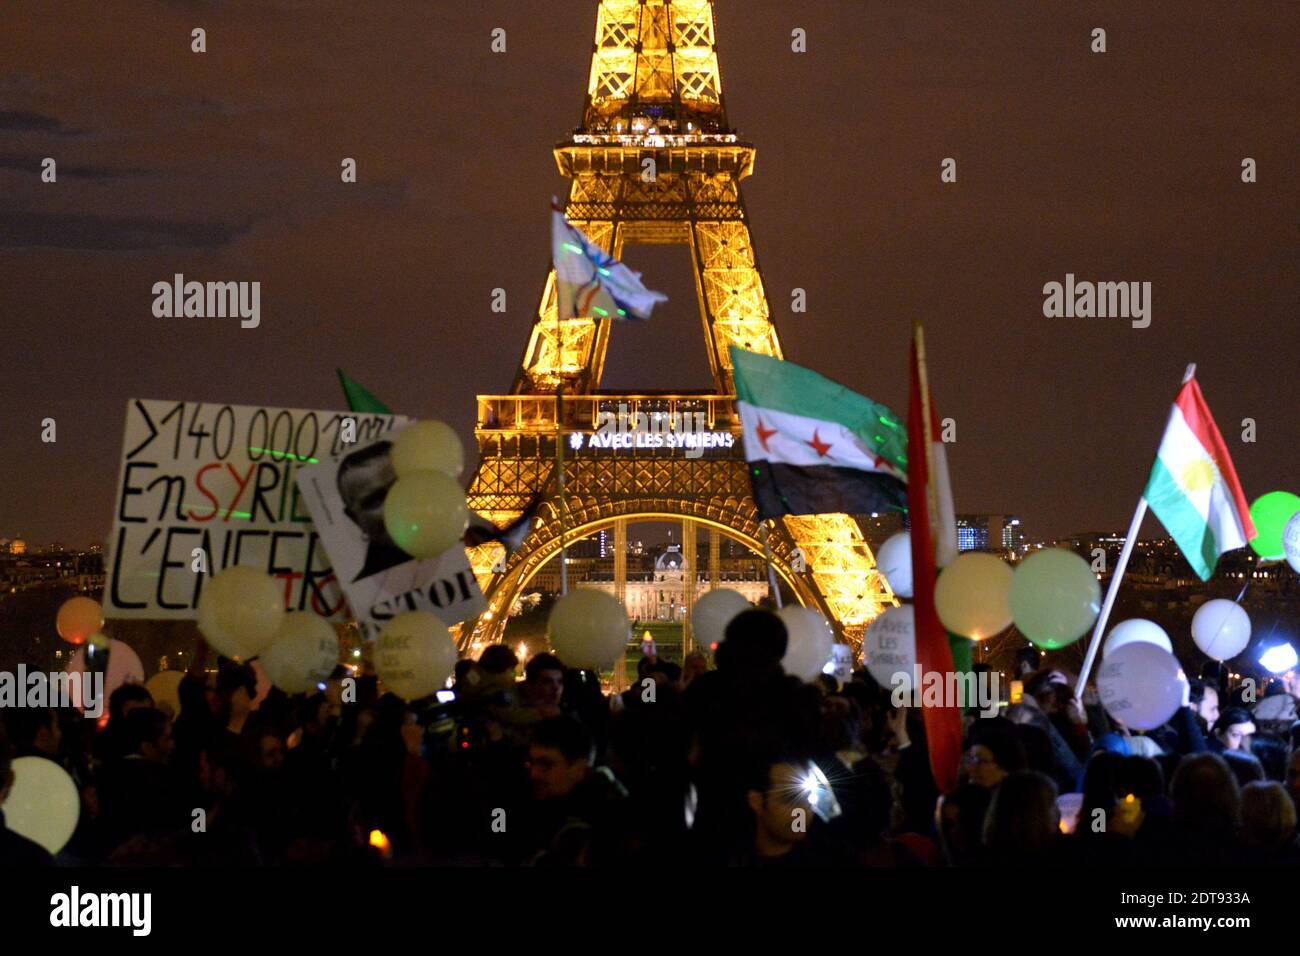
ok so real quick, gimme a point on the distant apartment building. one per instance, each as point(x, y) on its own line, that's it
point(999, 533)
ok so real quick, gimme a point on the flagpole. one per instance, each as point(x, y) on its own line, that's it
point(559, 440)
point(1129, 540)
point(918, 337)
point(1095, 643)
point(771, 571)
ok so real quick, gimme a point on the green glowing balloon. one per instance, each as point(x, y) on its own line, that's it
point(1270, 513)
point(425, 513)
point(1054, 597)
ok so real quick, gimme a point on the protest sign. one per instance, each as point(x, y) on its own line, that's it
point(205, 486)
point(840, 666)
point(345, 498)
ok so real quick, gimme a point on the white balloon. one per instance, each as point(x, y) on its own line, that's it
point(1141, 684)
point(889, 645)
point(588, 629)
point(1291, 542)
point(414, 654)
point(713, 611)
point(809, 640)
point(1136, 629)
point(894, 561)
point(1221, 629)
point(304, 652)
point(44, 804)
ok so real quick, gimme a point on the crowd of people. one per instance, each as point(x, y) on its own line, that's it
point(728, 761)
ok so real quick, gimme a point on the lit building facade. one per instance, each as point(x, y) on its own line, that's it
point(661, 596)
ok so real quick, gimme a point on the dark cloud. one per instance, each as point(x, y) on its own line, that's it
point(31, 163)
point(24, 121)
point(110, 233)
point(198, 5)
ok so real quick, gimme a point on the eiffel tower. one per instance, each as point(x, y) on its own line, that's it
point(654, 162)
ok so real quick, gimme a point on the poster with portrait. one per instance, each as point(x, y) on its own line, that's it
point(345, 498)
point(204, 485)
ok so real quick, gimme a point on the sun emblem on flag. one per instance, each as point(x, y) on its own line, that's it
point(1199, 474)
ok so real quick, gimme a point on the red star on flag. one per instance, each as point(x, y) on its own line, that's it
point(764, 434)
point(818, 445)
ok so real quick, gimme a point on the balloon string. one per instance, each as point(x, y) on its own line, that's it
point(1242, 593)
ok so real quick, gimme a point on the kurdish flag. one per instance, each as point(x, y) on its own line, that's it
point(1193, 488)
point(590, 283)
point(813, 446)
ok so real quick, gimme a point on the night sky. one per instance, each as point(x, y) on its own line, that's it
point(1123, 166)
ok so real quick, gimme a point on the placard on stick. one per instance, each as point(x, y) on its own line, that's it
point(203, 486)
point(345, 497)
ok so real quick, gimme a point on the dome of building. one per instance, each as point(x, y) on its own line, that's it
point(670, 560)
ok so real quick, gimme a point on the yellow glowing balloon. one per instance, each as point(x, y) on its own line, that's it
point(165, 686)
point(240, 610)
point(971, 596)
point(43, 805)
point(414, 654)
point(304, 652)
point(425, 513)
point(428, 446)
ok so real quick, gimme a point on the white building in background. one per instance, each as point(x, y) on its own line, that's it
point(663, 597)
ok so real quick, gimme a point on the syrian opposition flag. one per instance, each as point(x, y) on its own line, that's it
point(1193, 488)
point(590, 283)
point(813, 446)
point(929, 501)
point(359, 398)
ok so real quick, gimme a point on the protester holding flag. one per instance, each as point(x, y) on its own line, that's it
point(1194, 491)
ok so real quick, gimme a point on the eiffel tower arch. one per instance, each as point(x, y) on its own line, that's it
point(654, 162)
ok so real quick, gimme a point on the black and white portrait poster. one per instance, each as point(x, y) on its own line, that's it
point(345, 497)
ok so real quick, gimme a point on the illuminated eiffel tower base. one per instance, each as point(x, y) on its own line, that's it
point(654, 162)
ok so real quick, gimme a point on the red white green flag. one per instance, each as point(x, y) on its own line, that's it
point(1193, 488)
point(929, 502)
